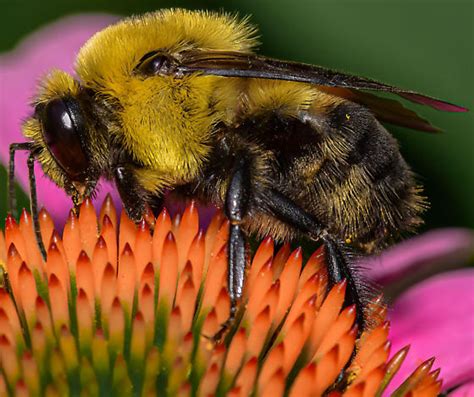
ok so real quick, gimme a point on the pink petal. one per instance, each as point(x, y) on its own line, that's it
point(425, 254)
point(436, 317)
point(466, 390)
point(54, 46)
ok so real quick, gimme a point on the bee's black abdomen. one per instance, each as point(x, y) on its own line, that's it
point(370, 145)
point(378, 194)
point(341, 166)
point(362, 147)
point(346, 169)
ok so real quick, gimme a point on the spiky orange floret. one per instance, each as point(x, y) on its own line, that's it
point(121, 309)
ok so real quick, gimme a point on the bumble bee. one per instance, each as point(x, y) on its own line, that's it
point(178, 101)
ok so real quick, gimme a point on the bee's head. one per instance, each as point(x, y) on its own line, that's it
point(59, 131)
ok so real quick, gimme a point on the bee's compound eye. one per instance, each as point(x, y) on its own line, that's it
point(155, 63)
point(62, 129)
point(159, 63)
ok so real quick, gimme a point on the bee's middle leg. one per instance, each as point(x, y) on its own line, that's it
point(236, 208)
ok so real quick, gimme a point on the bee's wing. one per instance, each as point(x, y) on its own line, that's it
point(237, 64)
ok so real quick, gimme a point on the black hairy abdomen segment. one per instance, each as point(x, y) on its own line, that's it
point(348, 173)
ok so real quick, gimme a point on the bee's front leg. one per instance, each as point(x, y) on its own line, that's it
point(131, 193)
point(236, 208)
point(27, 146)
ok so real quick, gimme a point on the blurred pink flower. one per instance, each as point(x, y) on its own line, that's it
point(54, 46)
point(421, 255)
point(436, 315)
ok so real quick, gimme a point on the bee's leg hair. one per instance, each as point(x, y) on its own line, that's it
point(338, 255)
point(236, 206)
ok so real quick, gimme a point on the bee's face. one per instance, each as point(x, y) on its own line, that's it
point(60, 133)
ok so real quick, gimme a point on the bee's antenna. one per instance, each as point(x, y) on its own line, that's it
point(11, 175)
point(34, 204)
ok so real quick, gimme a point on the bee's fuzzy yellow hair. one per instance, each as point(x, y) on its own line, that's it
point(166, 122)
point(118, 48)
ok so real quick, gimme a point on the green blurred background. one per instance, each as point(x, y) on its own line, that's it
point(423, 45)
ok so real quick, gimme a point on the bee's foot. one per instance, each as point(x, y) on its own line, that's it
point(220, 335)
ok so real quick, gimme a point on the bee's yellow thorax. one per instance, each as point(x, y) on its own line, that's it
point(166, 122)
point(169, 131)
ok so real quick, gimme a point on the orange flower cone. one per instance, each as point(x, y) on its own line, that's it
point(119, 310)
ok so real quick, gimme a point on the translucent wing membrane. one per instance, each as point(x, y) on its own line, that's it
point(238, 64)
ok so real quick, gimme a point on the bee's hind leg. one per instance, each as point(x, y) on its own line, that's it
point(340, 263)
